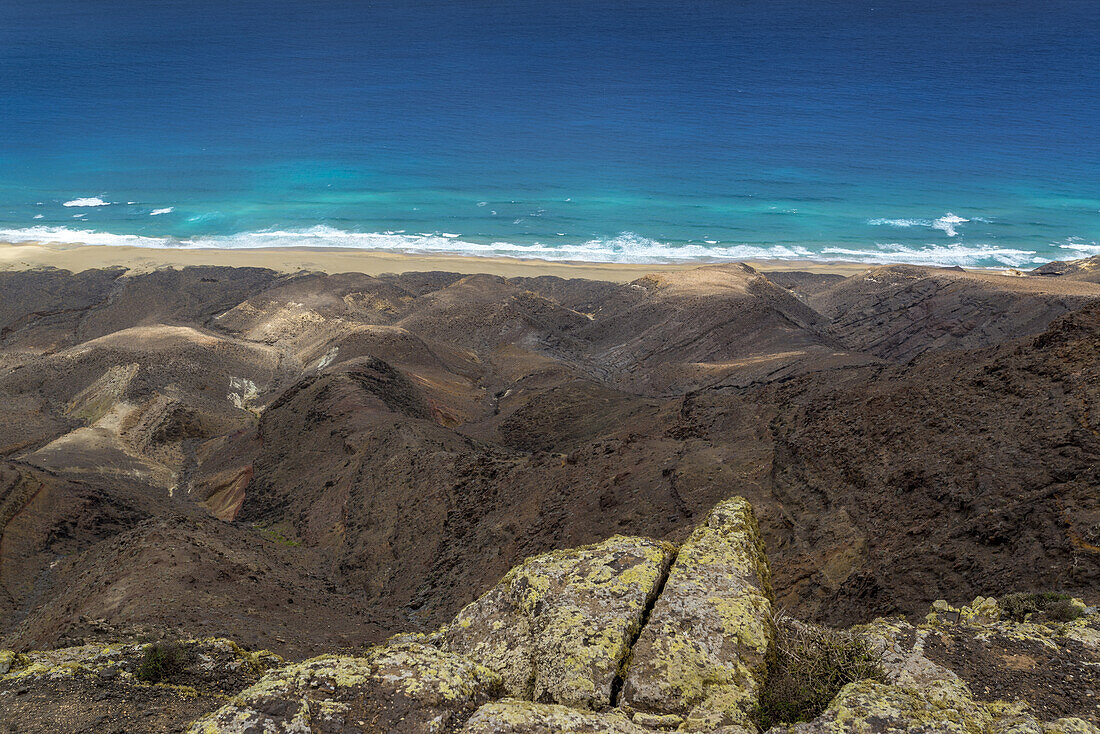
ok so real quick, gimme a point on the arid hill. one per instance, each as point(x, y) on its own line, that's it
point(311, 462)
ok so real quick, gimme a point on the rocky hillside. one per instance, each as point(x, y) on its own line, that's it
point(629, 635)
point(309, 463)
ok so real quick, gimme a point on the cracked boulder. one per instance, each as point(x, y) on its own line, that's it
point(703, 652)
point(406, 687)
point(558, 627)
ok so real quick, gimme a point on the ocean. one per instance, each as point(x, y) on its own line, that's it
point(940, 132)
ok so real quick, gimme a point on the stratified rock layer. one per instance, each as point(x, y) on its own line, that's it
point(558, 627)
point(703, 653)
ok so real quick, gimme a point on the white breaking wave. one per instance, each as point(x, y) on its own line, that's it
point(87, 201)
point(165, 210)
point(1080, 247)
point(64, 235)
point(946, 224)
point(879, 222)
point(973, 255)
point(627, 247)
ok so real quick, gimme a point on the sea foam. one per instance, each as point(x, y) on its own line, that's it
point(87, 201)
point(626, 247)
point(946, 224)
point(64, 235)
point(945, 255)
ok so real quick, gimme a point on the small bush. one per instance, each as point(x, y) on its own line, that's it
point(275, 535)
point(1063, 611)
point(1046, 606)
point(163, 661)
point(809, 667)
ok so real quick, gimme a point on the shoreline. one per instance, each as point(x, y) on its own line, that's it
point(78, 257)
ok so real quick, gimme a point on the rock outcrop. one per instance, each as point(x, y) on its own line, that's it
point(407, 687)
point(131, 688)
point(558, 636)
point(627, 636)
point(511, 716)
point(703, 654)
point(558, 627)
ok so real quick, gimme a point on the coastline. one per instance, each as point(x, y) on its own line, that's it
point(77, 257)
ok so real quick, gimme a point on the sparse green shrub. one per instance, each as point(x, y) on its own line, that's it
point(1045, 606)
point(810, 665)
point(163, 662)
point(1063, 611)
point(275, 535)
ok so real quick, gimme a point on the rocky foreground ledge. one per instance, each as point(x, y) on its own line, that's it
point(630, 635)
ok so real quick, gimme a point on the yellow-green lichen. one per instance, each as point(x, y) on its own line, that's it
point(1070, 725)
point(558, 626)
point(874, 706)
point(703, 653)
point(9, 661)
point(513, 716)
point(322, 686)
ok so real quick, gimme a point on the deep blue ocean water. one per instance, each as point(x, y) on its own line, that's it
point(940, 131)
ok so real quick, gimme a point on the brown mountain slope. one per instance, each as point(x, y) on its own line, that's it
point(900, 311)
point(671, 332)
point(969, 473)
point(400, 442)
point(48, 309)
point(45, 518)
point(198, 576)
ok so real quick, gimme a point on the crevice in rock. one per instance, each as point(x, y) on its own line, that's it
point(617, 683)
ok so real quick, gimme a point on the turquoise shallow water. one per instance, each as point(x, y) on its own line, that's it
point(949, 133)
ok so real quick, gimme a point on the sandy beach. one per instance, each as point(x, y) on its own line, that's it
point(76, 258)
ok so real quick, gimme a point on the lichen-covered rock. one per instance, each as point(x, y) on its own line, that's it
point(1070, 725)
point(660, 722)
point(901, 647)
point(1014, 719)
point(512, 716)
point(406, 687)
point(1085, 630)
point(558, 627)
point(8, 660)
point(868, 706)
point(1017, 718)
point(703, 652)
point(213, 663)
point(980, 611)
point(1052, 635)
